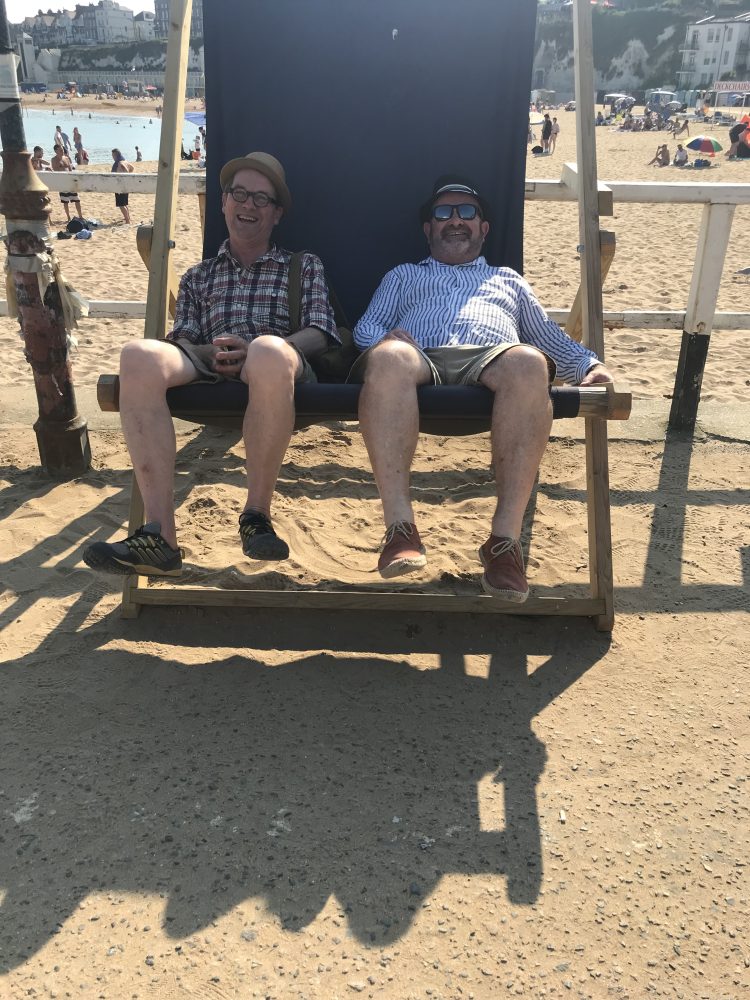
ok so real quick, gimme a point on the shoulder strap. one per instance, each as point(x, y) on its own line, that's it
point(295, 296)
point(295, 292)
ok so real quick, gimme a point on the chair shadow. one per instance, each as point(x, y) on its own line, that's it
point(662, 588)
point(220, 783)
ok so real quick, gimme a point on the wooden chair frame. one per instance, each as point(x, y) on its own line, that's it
point(596, 405)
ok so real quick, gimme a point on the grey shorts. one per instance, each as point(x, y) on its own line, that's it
point(68, 196)
point(452, 365)
point(206, 374)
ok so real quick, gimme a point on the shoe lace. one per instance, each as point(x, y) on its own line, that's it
point(253, 521)
point(505, 545)
point(398, 527)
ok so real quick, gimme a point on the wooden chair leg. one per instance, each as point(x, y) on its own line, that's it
point(599, 521)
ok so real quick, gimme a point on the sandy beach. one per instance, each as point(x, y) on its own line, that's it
point(222, 804)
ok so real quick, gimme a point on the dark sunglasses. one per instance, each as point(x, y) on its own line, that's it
point(466, 212)
point(260, 198)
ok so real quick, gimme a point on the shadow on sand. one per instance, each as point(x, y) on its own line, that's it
point(352, 775)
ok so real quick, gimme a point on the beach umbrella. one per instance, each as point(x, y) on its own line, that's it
point(704, 144)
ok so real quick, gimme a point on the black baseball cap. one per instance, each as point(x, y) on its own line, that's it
point(452, 182)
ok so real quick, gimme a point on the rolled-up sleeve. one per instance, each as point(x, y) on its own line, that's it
point(572, 359)
point(187, 320)
point(316, 306)
point(381, 316)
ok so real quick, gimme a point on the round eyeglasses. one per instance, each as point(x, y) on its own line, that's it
point(259, 198)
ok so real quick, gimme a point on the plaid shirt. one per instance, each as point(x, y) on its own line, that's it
point(220, 296)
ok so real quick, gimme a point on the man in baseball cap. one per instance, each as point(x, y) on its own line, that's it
point(453, 319)
point(232, 321)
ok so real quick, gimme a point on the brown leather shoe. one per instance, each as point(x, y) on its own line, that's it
point(504, 575)
point(403, 551)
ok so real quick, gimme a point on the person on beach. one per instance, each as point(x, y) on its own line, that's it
point(737, 134)
point(681, 156)
point(82, 156)
point(661, 157)
point(121, 166)
point(138, 155)
point(61, 163)
point(61, 138)
point(681, 129)
point(546, 133)
point(37, 160)
point(454, 319)
point(554, 132)
point(232, 321)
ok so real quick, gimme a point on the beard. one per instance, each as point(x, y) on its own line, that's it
point(456, 244)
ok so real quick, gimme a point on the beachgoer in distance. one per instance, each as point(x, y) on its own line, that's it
point(138, 155)
point(736, 135)
point(81, 155)
point(679, 129)
point(121, 166)
point(61, 162)
point(661, 157)
point(61, 138)
point(546, 132)
point(37, 160)
point(232, 322)
point(454, 319)
point(681, 156)
point(555, 131)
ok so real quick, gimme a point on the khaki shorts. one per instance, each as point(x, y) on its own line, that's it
point(206, 374)
point(452, 365)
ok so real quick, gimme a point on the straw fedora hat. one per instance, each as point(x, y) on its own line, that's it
point(265, 164)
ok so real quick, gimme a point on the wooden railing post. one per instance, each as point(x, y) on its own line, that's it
point(713, 239)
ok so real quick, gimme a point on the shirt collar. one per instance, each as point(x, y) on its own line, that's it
point(430, 262)
point(274, 253)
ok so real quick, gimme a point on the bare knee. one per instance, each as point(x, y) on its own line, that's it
point(520, 367)
point(150, 367)
point(394, 361)
point(142, 360)
point(270, 359)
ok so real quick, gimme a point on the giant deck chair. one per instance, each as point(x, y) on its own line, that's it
point(365, 104)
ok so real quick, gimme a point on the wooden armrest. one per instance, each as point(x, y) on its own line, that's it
point(610, 401)
point(108, 393)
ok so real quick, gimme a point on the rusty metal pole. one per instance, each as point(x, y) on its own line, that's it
point(62, 435)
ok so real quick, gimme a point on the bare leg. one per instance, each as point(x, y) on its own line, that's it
point(147, 369)
point(67, 210)
point(389, 422)
point(78, 209)
point(125, 213)
point(521, 423)
point(269, 371)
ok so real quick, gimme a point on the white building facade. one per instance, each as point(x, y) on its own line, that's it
point(715, 48)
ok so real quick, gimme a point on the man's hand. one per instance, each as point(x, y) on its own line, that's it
point(230, 354)
point(596, 375)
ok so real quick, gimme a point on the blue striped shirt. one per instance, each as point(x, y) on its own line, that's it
point(446, 305)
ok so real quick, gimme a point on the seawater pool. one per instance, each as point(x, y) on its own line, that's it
point(101, 133)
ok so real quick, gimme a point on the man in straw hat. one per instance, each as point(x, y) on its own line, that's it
point(232, 322)
point(454, 319)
